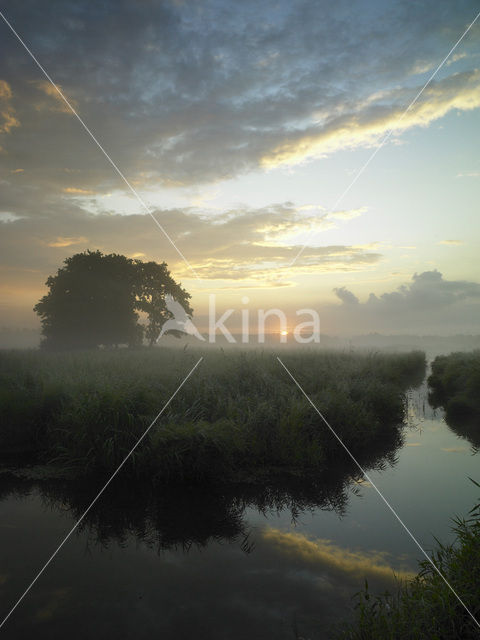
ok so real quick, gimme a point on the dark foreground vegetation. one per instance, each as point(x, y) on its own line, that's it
point(425, 608)
point(239, 416)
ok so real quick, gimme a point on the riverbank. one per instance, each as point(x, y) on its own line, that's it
point(455, 386)
point(426, 607)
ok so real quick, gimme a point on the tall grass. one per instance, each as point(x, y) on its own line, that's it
point(239, 414)
point(455, 385)
point(426, 608)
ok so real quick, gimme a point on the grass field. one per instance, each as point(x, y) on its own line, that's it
point(238, 415)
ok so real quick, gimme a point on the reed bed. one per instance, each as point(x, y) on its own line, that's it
point(237, 416)
point(425, 608)
point(455, 386)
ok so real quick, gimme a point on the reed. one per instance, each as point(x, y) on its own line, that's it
point(238, 414)
point(425, 607)
point(455, 386)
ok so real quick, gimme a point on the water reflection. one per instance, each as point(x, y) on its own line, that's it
point(423, 404)
point(203, 562)
point(464, 426)
point(469, 430)
point(175, 517)
point(338, 562)
point(185, 563)
point(191, 562)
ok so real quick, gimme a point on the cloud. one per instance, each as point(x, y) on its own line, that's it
point(7, 113)
point(469, 174)
point(67, 242)
point(428, 290)
point(367, 125)
point(346, 296)
point(429, 303)
point(77, 191)
point(232, 249)
point(348, 215)
point(56, 102)
point(456, 57)
point(182, 95)
point(451, 242)
point(338, 561)
point(190, 93)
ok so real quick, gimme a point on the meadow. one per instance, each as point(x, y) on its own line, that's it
point(238, 418)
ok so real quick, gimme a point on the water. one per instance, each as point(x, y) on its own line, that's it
point(250, 563)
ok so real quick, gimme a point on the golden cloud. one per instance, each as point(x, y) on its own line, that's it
point(371, 122)
point(58, 104)
point(265, 269)
point(7, 112)
point(325, 554)
point(78, 192)
point(67, 242)
point(284, 229)
point(347, 214)
point(227, 249)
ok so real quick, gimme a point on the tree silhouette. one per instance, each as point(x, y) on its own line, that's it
point(94, 299)
point(155, 282)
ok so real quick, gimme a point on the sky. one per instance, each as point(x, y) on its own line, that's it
point(246, 129)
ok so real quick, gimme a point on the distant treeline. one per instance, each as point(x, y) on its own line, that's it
point(13, 338)
point(239, 415)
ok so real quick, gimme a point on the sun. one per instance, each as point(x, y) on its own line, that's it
point(284, 333)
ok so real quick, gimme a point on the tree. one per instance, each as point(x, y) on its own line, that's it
point(94, 299)
point(155, 282)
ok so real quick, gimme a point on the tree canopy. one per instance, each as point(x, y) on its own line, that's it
point(95, 299)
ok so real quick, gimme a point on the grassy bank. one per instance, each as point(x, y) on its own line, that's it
point(239, 413)
point(455, 386)
point(425, 608)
